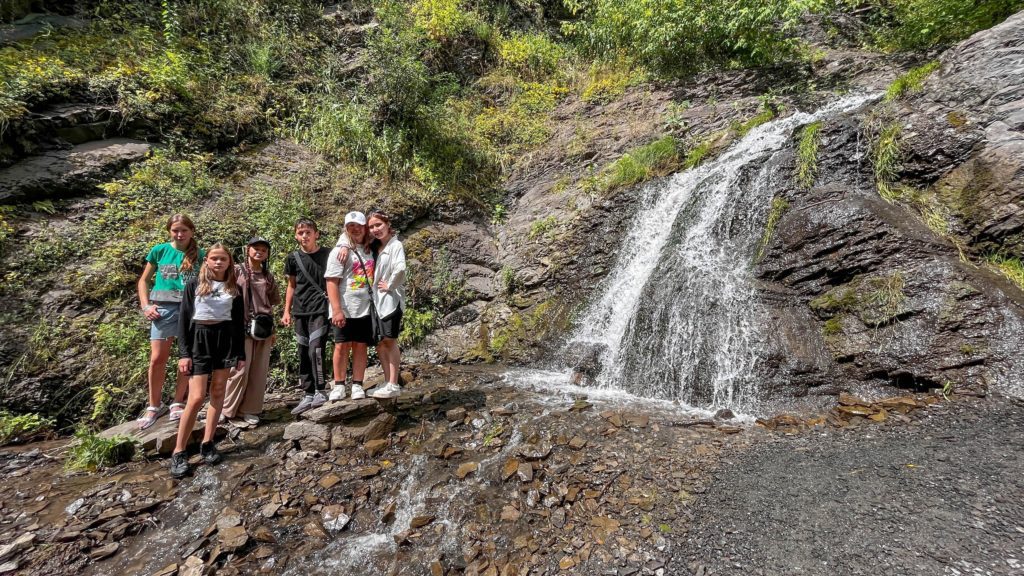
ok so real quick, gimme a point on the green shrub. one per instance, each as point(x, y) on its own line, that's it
point(914, 24)
point(530, 55)
point(117, 378)
point(640, 164)
point(22, 427)
point(677, 36)
point(910, 82)
point(442, 19)
point(607, 80)
point(699, 153)
point(542, 227)
point(416, 325)
point(90, 452)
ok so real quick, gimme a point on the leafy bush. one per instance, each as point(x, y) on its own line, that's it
point(530, 55)
point(607, 80)
point(442, 19)
point(22, 427)
point(542, 228)
point(674, 37)
point(523, 121)
point(120, 369)
point(914, 24)
point(416, 324)
point(90, 452)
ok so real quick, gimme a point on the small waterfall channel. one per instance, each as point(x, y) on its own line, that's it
point(678, 316)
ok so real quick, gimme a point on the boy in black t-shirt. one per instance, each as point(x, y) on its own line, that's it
point(305, 309)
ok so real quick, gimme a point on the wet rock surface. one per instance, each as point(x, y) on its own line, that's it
point(473, 475)
point(882, 294)
point(939, 495)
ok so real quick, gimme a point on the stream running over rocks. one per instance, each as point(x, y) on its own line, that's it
point(678, 316)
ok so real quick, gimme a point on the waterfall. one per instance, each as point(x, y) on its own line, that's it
point(678, 316)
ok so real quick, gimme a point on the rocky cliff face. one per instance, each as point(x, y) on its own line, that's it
point(877, 292)
point(860, 289)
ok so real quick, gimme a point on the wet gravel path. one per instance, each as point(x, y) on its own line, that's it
point(941, 495)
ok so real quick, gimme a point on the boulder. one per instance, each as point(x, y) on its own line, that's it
point(160, 437)
point(376, 429)
point(309, 435)
point(343, 411)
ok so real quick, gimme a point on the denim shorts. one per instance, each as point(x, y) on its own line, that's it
point(166, 326)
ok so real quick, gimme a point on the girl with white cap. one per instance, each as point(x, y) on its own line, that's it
point(349, 275)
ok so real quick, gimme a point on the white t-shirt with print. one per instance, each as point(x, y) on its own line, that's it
point(356, 279)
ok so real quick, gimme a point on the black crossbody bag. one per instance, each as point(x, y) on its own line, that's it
point(376, 332)
point(261, 326)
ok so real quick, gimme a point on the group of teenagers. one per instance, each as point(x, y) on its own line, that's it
point(222, 315)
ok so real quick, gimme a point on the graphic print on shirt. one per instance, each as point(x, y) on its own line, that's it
point(362, 275)
point(169, 271)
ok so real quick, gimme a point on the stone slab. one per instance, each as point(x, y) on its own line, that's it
point(159, 438)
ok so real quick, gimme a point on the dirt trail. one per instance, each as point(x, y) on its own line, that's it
point(943, 495)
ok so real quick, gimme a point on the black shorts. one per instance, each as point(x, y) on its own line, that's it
point(355, 330)
point(211, 349)
point(391, 325)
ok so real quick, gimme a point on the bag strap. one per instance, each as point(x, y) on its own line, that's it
point(251, 304)
point(306, 274)
point(369, 282)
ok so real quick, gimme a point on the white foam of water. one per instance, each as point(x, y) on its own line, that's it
point(553, 386)
point(371, 551)
point(678, 311)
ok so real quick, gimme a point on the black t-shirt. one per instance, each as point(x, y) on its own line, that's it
point(309, 298)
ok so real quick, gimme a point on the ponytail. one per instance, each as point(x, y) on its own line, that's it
point(191, 255)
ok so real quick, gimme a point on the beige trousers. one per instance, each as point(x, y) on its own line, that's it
point(247, 387)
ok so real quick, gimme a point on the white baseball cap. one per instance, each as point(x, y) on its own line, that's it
point(357, 217)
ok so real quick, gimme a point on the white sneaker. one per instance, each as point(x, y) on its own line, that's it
point(337, 393)
point(388, 390)
point(357, 392)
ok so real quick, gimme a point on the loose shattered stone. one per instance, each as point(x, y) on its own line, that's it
point(466, 469)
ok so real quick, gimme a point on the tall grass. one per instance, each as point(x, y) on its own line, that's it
point(886, 155)
point(1009, 266)
point(911, 82)
point(807, 154)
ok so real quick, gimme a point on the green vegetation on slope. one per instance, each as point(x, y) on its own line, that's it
point(914, 24)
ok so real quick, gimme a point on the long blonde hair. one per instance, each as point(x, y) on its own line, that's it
point(206, 277)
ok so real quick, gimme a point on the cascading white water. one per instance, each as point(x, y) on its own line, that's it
point(678, 316)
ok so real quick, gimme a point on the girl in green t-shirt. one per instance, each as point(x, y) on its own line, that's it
point(169, 265)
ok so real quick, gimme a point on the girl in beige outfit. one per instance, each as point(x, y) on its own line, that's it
point(247, 387)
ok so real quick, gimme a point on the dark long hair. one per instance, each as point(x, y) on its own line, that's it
point(192, 250)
